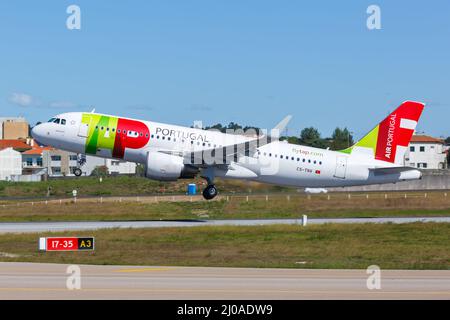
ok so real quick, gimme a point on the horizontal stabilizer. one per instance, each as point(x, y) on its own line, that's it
point(390, 170)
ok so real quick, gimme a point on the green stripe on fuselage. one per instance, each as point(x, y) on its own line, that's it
point(101, 134)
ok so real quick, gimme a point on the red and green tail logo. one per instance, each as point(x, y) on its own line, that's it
point(390, 138)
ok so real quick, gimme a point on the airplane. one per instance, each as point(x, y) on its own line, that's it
point(171, 152)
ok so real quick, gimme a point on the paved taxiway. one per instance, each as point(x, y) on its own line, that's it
point(48, 281)
point(22, 227)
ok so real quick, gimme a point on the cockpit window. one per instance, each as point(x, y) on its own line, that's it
point(63, 121)
point(51, 120)
point(57, 120)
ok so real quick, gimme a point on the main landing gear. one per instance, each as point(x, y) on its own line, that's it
point(210, 192)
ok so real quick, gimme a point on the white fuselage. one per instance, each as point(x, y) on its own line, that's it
point(277, 162)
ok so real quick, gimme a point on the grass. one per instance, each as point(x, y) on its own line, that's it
point(339, 206)
point(121, 186)
point(390, 246)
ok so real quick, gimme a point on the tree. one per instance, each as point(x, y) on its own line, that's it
point(447, 141)
point(100, 171)
point(233, 126)
point(290, 139)
point(311, 137)
point(341, 139)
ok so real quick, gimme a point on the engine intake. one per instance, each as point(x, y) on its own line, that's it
point(166, 167)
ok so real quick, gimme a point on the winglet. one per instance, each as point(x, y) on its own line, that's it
point(276, 132)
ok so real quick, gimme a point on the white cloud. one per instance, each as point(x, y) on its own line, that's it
point(21, 99)
point(25, 100)
point(62, 104)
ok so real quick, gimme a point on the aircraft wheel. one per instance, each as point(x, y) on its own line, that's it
point(210, 192)
point(77, 172)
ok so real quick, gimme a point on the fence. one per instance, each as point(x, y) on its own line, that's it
point(338, 196)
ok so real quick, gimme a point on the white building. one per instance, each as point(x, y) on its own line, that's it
point(62, 163)
point(426, 152)
point(114, 166)
point(10, 163)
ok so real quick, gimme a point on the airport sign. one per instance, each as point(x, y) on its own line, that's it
point(66, 243)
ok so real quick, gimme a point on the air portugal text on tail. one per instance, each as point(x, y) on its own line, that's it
point(396, 130)
point(389, 140)
point(170, 152)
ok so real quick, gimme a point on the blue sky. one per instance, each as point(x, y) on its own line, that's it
point(251, 62)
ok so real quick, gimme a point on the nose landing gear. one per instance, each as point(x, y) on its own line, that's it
point(81, 160)
point(77, 172)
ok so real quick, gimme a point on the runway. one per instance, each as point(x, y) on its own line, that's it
point(32, 227)
point(48, 281)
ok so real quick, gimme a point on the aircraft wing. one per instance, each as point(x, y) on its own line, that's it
point(224, 155)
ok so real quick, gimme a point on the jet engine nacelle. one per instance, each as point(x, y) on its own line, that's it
point(166, 167)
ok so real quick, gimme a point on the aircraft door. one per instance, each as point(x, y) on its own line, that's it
point(341, 167)
point(83, 131)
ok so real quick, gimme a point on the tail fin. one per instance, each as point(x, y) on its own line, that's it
point(390, 138)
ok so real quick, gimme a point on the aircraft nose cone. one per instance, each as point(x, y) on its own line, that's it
point(34, 132)
point(37, 132)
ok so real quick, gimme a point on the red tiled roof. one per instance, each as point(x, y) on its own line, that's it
point(426, 139)
point(37, 150)
point(18, 145)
